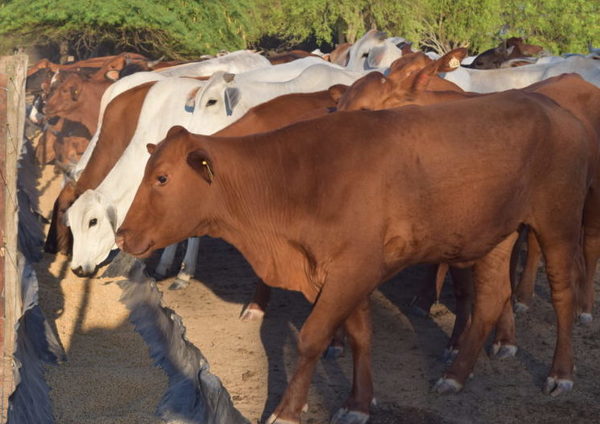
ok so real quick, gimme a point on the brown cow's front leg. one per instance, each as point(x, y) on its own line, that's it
point(524, 290)
point(255, 310)
point(334, 306)
point(492, 292)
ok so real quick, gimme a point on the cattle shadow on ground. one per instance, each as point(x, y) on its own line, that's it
point(223, 270)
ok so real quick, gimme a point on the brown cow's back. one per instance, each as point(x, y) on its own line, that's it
point(279, 112)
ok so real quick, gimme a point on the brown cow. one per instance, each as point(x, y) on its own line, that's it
point(334, 206)
point(568, 90)
point(77, 98)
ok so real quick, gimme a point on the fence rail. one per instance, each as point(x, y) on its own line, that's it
point(13, 70)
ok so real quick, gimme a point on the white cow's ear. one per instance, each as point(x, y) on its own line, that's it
point(232, 98)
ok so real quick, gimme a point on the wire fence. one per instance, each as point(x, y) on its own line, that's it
point(13, 71)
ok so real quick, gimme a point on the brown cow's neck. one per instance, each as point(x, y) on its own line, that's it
point(118, 127)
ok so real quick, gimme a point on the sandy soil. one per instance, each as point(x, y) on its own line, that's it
point(109, 378)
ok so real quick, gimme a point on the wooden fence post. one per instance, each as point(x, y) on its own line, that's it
point(13, 71)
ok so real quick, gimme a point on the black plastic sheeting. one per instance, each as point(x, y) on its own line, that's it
point(36, 343)
point(194, 395)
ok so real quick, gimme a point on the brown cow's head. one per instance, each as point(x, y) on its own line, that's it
point(174, 198)
point(409, 77)
point(66, 97)
point(59, 237)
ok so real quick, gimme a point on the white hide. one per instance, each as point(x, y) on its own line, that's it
point(163, 108)
point(491, 80)
point(239, 61)
point(284, 71)
point(373, 50)
point(223, 102)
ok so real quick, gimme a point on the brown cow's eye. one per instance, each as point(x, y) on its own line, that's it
point(162, 179)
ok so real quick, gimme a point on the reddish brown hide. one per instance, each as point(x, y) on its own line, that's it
point(301, 207)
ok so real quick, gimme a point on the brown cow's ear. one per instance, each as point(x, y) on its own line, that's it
point(150, 147)
point(175, 131)
point(201, 162)
point(112, 75)
point(337, 91)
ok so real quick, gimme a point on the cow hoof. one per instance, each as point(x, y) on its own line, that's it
point(273, 419)
point(520, 308)
point(252, 314)
point(179, 284)
point(500, 351)
point(449, 355)
point(557, 386)
point(446, 386)
point(345, 416)
point(585, 318)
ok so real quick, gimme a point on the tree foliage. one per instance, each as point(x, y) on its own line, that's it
point(188, 28)
point(175, 28)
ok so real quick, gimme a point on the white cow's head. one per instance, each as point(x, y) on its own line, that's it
point(217, 104)
point(371, 51)
point(93, 223)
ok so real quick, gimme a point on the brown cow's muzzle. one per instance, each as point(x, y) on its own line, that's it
point(128, 245)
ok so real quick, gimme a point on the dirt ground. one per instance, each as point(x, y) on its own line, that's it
point(108, 377)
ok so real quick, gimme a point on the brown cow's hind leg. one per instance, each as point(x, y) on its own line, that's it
point(492, 293)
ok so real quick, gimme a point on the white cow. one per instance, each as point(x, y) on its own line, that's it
point(372, 51)
point(96, 214)
point(284, 71)
point(491, 80)
point(88, 256)
point(111, 92)
point(239, 61)
point(227, 97)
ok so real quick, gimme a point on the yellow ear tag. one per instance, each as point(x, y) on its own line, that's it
point(454, 63)
point(210, 173)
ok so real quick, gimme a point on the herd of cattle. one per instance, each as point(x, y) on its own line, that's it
point(331, 173)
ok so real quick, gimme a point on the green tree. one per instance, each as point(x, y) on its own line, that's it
point(561, 26)
point(175, 28)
